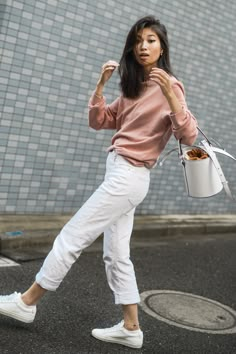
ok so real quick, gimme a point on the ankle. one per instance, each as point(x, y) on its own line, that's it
point(33, 295)
point(130, 326)
point(27, 301)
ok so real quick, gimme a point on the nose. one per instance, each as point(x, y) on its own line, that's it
point(143, 45)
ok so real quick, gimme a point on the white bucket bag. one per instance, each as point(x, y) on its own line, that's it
point(203, 176)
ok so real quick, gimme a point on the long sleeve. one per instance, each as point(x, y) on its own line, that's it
point(143, 125)
point(184, 124)
point(102, 116)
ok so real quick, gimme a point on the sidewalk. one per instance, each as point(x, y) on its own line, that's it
point(22, 231)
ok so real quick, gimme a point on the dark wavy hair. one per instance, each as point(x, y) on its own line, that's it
point(131, 72)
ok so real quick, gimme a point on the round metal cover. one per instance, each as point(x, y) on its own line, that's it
point(189, 311)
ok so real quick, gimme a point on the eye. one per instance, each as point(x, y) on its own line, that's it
point(151, 41)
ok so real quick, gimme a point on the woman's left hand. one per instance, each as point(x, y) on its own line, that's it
point(163, 79)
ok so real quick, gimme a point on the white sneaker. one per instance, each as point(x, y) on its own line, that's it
point(13, 306)
point(120, 335)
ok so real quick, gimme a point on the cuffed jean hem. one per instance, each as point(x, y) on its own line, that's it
point(126, 299)
point(46, 284)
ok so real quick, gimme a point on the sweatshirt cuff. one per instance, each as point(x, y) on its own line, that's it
point(178, 119)
point(94, 100)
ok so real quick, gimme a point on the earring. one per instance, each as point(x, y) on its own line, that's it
point(161, 53)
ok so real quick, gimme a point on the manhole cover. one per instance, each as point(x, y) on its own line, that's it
point(189, 311)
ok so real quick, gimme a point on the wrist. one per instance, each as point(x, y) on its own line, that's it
point(170, 96)
point(174, 103)
point(99, 90)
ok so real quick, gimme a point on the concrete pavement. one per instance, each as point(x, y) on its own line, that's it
point(203, 265)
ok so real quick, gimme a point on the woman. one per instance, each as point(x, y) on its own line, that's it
point(151, 107)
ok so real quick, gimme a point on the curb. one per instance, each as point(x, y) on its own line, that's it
point(23, 231)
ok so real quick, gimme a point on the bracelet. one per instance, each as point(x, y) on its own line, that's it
point(97, 96)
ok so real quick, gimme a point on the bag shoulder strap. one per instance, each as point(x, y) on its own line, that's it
point(223, 152)
point(210, 150)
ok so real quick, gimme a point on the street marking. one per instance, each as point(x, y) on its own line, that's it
point(6, 262)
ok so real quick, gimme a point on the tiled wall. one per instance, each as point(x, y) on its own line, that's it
point(51, 54)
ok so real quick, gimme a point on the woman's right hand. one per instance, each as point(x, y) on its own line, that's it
point(107, 70)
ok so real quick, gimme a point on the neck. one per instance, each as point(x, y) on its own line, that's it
point(146, 75)
point(147, 71)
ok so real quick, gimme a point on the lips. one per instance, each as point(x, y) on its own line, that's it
point(143, 57)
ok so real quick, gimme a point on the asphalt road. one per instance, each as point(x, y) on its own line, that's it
point(204, 266)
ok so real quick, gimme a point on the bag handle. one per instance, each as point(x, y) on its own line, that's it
point(210, 141)
point(179, 149)
point(180, 146)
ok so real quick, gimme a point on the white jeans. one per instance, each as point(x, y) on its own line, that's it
point(110, 209)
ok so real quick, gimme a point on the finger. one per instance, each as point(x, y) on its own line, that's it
point(158, 78)
point(160, 75)
point(111, 63)
point(164, 84)
point(109, 68)
point(160, 72)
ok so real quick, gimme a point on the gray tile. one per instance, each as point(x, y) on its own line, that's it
point(53, 54)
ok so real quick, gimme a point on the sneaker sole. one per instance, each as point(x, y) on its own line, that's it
point(16, 317)
point(118, 342)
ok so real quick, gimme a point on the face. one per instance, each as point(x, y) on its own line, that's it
point(147, 49)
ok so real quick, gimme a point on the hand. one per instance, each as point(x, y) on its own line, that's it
point(163, 79)
point(107, 70)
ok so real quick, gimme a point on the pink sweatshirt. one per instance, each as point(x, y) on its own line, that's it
point(145, 124)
